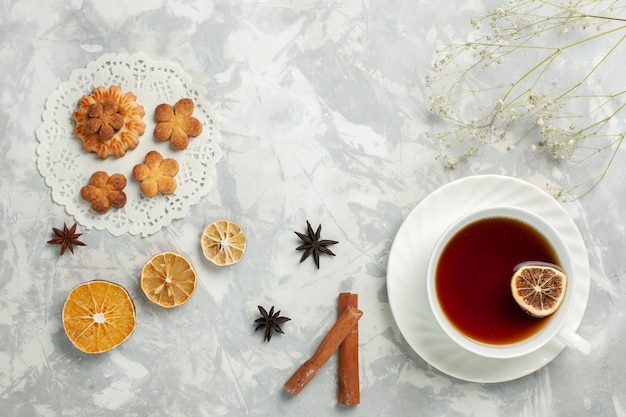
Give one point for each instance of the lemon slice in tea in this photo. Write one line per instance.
(539, 289)
(98, 316)
(168, 279)
(223, 242)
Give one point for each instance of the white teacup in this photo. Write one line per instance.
(555, 325)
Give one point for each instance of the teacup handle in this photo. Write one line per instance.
(573, 340)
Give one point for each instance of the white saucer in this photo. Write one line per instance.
(408, 261)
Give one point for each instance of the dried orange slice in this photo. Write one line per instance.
(98, 316)
(223, 242)
(539, 289)
(168, 279)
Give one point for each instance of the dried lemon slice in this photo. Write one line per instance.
(168, 279)
(539, 289)
(98, 316)
(223, 242)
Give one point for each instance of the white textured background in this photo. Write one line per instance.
(323, 114)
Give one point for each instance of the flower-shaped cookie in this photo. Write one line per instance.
(108, 122)
(176, 123)
(104, 191)
(104, 119)
(156, 174)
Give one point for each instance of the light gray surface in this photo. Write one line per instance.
(323, 114)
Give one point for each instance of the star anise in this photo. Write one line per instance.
(270, 322)
(313, 244)
(67, 238)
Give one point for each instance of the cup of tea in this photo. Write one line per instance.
(469, 282)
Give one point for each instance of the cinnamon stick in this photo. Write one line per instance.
(348, 318)
(348, 387)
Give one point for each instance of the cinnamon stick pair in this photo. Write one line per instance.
(343, 336)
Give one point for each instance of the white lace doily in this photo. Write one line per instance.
(66, 167)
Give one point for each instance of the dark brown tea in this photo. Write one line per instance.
(473, 277)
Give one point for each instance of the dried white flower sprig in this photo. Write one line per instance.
(548, 72)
